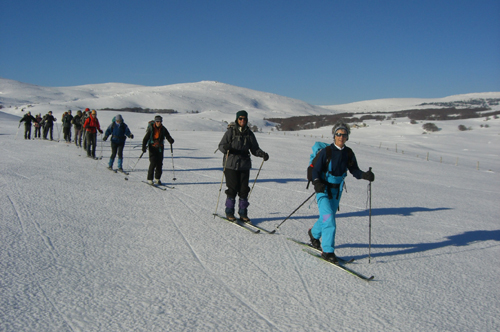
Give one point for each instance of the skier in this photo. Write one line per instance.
(328, 184)
(119, 132)
(48, 121)
(77, 122)
(27, 119)
(38, 126)
(156, 133)
(67, 126)
(85, 116)
(91, 127)
(238, 141)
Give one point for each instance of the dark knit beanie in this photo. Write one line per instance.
(241, 113)
(158, 118)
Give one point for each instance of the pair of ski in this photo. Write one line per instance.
(248, 226)
(117, 170)
(341, 261)
(159, 186)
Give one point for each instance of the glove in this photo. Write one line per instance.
(131, 136)
(144, 149)
(227, 147)
(265, 156)
(171, 141)
(319, 186)
(368, 176)
(105, 138)
(100, 131)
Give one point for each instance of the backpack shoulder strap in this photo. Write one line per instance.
(329, 152)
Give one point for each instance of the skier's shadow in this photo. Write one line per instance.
(459, 240)
(402, 211)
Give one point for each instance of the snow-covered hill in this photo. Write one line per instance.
(218, 100)
(214, 103)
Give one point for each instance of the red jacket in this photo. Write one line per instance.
(92, 125)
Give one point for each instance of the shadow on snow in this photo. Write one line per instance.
(459, 240)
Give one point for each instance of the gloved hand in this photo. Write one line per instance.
(319, 186)
(100, 131)
(131, 136)
(171, 141)
(265, 156)
(144, 149)
(227, 146)
(105, 138)
(368, 176)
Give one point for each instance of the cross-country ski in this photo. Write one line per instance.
(339, 265)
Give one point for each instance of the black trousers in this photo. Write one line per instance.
(27, 131)
(155, 163)
(237, 183)
(91, 143)
(117, 148)
(46, 130)
(67, 134)
(38, 132)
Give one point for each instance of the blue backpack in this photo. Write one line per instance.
(316, 148)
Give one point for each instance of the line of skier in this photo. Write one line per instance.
(328, 165)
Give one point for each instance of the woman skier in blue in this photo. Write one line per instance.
(328, 181)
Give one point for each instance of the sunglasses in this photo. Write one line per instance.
(340, 135)
(242, 118)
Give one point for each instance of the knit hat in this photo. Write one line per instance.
(118, 118)
(341, 125)
(241, 113)
(158, 118)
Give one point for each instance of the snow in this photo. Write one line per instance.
(84, 250)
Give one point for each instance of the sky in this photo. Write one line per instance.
(322, 52)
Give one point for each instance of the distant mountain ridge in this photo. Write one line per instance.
(219, 100)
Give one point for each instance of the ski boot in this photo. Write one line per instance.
(316, 244)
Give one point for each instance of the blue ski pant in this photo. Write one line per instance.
(325, 227)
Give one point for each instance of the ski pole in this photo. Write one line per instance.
(137, 162)
(17, 132)
(100, 157)
(222, 180)
(369, 219)
(172, 154)
(255, 179)
(293, 212)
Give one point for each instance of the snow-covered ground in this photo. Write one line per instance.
(84, 250)
(81, 249)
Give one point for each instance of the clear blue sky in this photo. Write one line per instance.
(322, 52)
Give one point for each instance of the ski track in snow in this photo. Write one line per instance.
(50, 247)
(232, 292)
